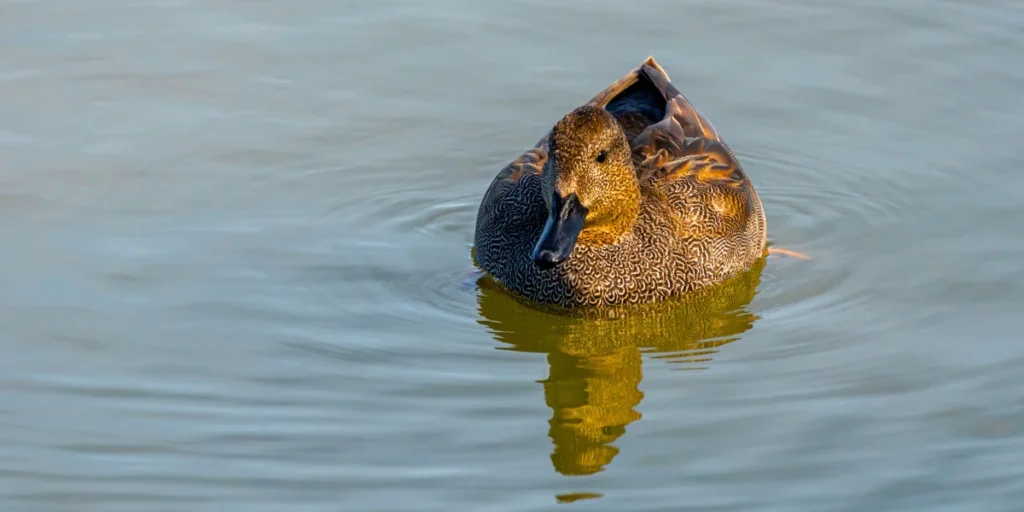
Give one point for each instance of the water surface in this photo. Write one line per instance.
(236, 261)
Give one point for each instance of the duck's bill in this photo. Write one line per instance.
(560, 232)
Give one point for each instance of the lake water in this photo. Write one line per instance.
(236, 268)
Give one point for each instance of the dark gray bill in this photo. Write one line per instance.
(560, 232)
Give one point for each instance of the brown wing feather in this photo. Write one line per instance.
(678, 107)
(531, 162)
(684, 142)
(684, 157)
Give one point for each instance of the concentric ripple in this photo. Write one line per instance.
(388, 262)
(843, 217)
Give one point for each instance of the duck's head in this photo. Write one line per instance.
(589, 184)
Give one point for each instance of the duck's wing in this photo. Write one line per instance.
(512, 206)
(699, 177)
(677, 108)
(530, 162)
(683, 141)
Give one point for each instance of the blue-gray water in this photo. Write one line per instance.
(236, 261)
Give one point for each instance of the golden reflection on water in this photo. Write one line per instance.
(593, 385)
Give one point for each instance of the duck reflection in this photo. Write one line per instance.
(593, 386)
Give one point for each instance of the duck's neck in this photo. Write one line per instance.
(614, 216)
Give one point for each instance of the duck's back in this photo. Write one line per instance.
(700, 219)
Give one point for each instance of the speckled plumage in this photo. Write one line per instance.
(671, 211)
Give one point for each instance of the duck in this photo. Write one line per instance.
(631, 198)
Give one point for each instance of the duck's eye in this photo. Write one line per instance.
(601, 157)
